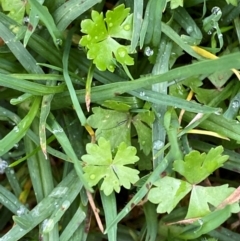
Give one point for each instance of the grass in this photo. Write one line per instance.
(181, 95)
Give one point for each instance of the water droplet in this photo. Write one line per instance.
(200, 221)
(58, 192)
(142, 93)
(111, 67)
(189, 29)
(26, 20)
(57, 130)
(235, 104)
(89, 37)
(110, 25)
(148, 51)
(92, 176)
(36, 16)
(16, 129)
(58, 41)
(21, 211)
(216, 10)
(143, 143)
(122, 52)
(220, 35)
(65, 205)
(3, 166)
(127, 27)
(96, 37)
(209, 32)
(157, 145)
(47, 225)
(16, 145)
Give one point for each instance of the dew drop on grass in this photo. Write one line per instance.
(216, 10)
(16, 129)
(59, 192)
(21, 211)
(235, 104)
(209, 32)
(47, 225)
(157, 145)
(25, 20)
(148, 51)
(65, 205)
(58, 41)
(3, 166)
(189, 29)
(142, 93)
(57, 130)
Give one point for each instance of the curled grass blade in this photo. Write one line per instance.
(20, 129)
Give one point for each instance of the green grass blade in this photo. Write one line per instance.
(110, 210)
(71, 89)
(68, 189)
(17, 48)
(47, 19)
(28, 86)
(10, 201)
(137, 23)
(70, 10)
(45, 110)
(20, 129)
(60, 135)
(161, 65)
(151, 221)
(109, 91)
(73, 225)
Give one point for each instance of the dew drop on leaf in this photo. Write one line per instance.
(111, 67)
(142, 93)
(157, 145)
(121, 52)
(110, 25)
(126, 27)
(92, 176)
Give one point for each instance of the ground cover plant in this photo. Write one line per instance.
(119, 120)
